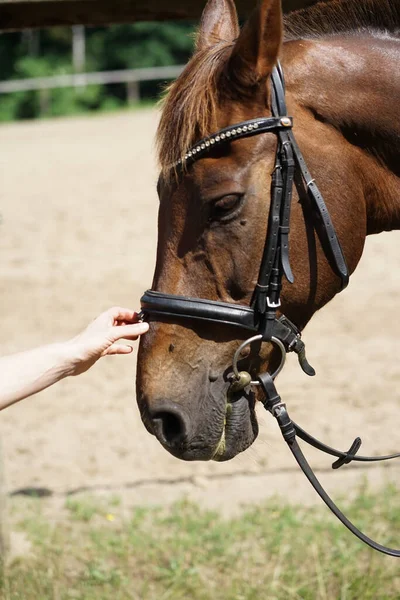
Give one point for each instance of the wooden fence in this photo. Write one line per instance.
(131, 77)
(83, 79)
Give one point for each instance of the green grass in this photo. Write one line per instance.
(95, 550)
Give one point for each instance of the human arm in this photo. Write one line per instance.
(26, 373)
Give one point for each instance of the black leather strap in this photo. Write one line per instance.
(288, 166)
(262, 290)
(319, 204)
(274, 405)
(158, 305)
(278, 96)
(179, 307)
(279, 109)
(275, 261)
(244, 129)
(344, 457)
(309, 473)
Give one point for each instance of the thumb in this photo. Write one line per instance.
(118, 349)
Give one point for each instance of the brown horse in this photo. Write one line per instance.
(342, 88)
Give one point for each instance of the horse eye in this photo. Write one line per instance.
(226, 207)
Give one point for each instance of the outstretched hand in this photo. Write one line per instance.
(27, 373)
(100, 337)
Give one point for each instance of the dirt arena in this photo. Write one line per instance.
(77, 235)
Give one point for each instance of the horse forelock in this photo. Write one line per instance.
(189, 108)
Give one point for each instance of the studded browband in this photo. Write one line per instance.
(236, 132)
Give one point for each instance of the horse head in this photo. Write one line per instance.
(213, 220)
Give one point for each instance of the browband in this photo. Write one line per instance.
(244, 129)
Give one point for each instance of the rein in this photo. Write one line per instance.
(260, 318)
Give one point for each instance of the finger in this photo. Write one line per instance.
(118, 349)
(123, 314)
(129, 331)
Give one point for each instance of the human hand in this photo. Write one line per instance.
(100, 337)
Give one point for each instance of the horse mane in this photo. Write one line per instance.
(341, 16)
(189, 106)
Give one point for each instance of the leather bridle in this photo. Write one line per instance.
(260, 319)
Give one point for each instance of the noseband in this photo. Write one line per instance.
(260, 319)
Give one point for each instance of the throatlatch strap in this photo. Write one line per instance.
(274, 405)
(279, 109)
(319, 204)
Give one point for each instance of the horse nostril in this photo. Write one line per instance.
(169, 427)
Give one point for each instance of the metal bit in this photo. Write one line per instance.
(239, 384)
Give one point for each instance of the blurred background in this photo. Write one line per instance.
(38, 66)
(95, 507)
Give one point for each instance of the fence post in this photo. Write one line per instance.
(78, 48)
(44, 102)
(133, 91)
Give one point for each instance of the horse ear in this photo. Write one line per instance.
(257, 49)
(219, 21)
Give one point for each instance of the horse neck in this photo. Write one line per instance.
(350, 83)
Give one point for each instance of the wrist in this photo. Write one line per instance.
(68, 357)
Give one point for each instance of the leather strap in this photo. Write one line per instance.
(176, 308)
(288, 166)
(244, 129)
(275, 406)
(180, 307)
(278, 97)
(275, 261)
(309, 473)
(279, 109)
(271, 243)
(320, 206)
(344, 457)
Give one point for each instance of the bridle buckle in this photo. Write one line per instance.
(272, 304)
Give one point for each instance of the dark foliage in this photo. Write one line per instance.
(49, 52)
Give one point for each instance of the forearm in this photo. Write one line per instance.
(27, 373)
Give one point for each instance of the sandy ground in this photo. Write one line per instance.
(77, 235)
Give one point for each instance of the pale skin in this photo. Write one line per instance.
(27, 373)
